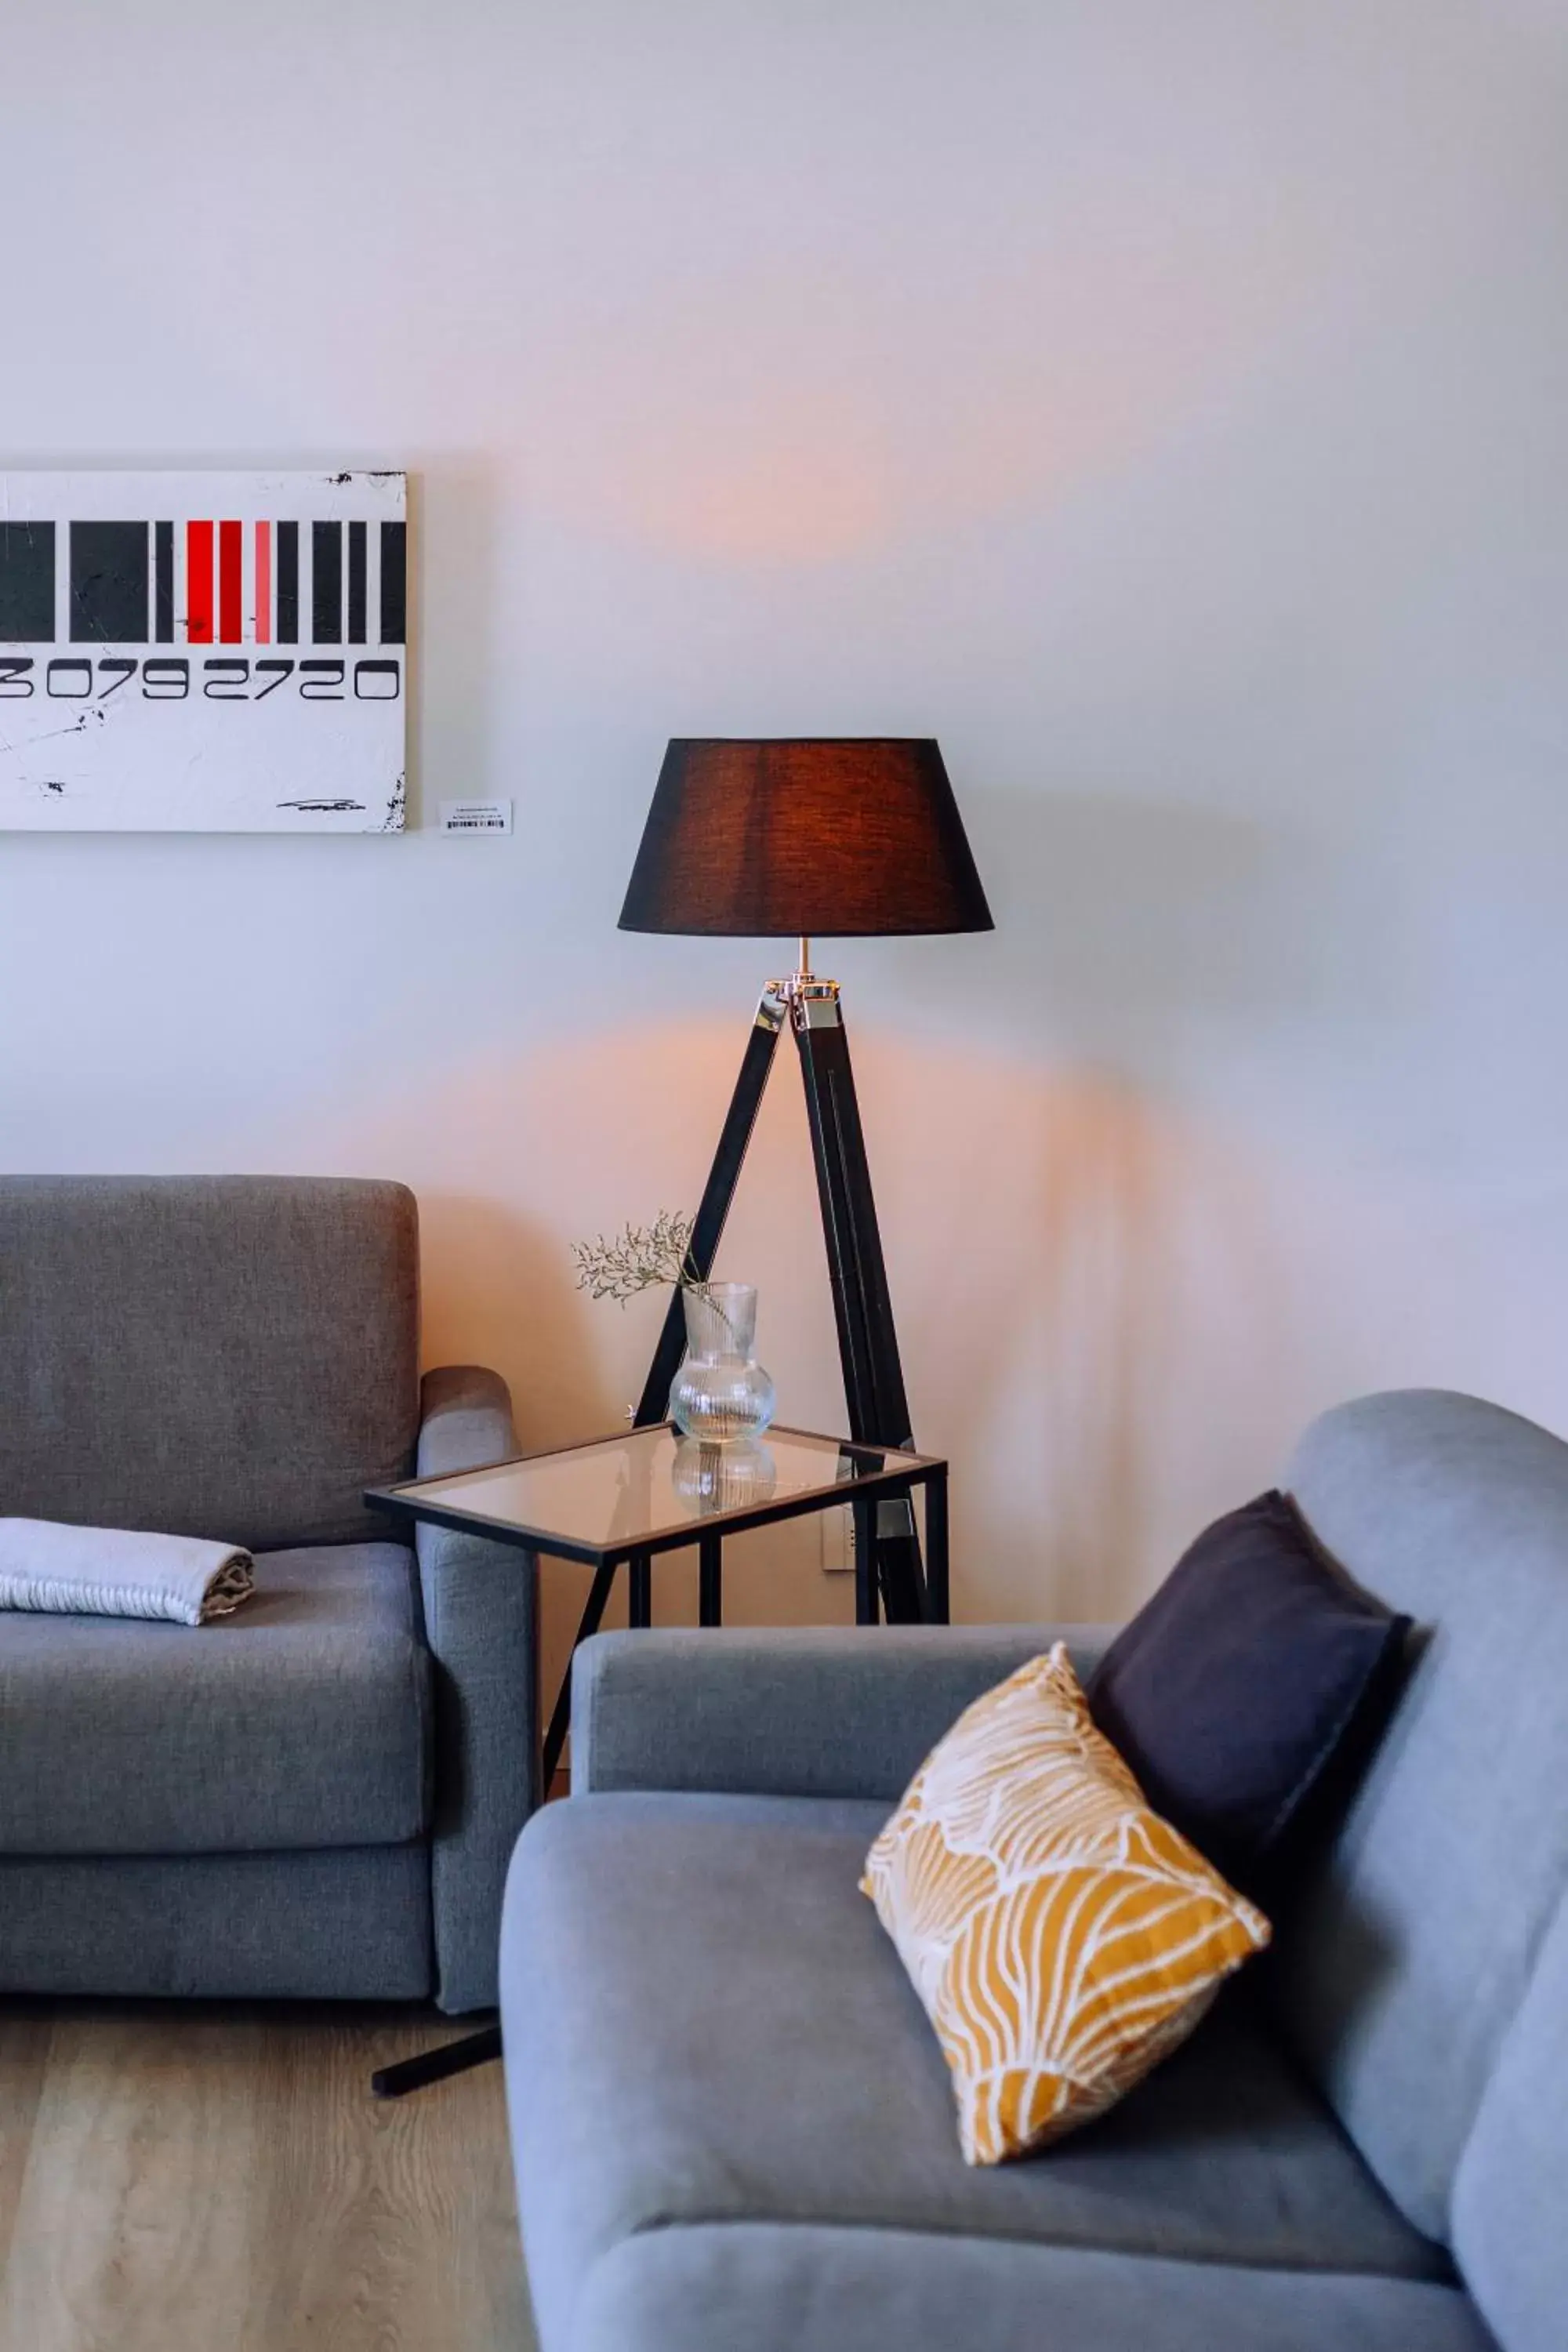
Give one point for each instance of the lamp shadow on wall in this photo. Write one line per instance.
(1108, 1317)
(1095, 1310)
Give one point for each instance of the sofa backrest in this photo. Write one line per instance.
(227, 1356)
(1405, 1964)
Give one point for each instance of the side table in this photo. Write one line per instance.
(620, 1502)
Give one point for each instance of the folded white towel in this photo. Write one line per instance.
(120, 1572)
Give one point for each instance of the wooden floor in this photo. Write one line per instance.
(197, 2180)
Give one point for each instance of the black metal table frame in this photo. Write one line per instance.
(862, 1494)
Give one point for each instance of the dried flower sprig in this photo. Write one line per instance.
(638, 1258)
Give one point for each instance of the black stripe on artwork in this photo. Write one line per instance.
(26, 583)
(164, 584)
(356, 584)
(285, 584)
(393, 582)
(109, 584)
(327, 583)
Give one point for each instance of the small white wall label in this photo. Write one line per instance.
(474, 816)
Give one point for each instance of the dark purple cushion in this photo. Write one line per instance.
(1248, 1692)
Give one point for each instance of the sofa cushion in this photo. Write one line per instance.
(705, 2022)
(224, 1356)
(1063, 1938)
(772, 2288)
(1508, 2198)
(302, 1720)
(1414, 1937)
(1238, 1686)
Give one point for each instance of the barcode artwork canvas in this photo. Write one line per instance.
(203, 652)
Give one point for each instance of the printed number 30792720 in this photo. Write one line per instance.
(73, 677)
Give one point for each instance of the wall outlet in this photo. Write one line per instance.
(837, 1541)
(893, 1518)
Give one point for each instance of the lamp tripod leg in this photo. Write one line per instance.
(718, 1194)
(867, 1339)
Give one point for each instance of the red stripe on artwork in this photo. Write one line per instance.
(230, 561)
(264, 583)
(199, 582)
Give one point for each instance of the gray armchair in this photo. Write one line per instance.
(316, 1797)
(731, 2121)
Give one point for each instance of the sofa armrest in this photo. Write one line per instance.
(811, 1711)
(480, 1621)
(465, 1421)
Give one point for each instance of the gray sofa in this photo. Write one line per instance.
(317, 1796)
(730, 2120)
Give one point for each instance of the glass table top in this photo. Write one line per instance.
(652, 1485)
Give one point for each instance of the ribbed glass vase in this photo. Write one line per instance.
(721, 1390)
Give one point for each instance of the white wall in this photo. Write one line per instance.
(1164, 401)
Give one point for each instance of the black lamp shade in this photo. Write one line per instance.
(822, 836)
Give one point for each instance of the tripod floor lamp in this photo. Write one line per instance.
(810, 838)
(795, 838)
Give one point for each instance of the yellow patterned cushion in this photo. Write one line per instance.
(1062, 1936)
